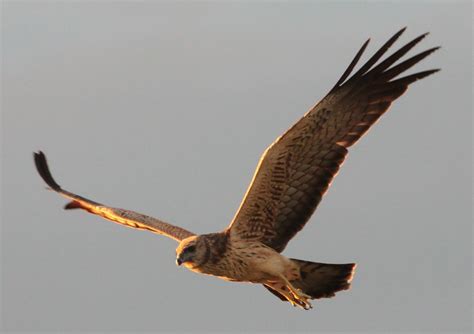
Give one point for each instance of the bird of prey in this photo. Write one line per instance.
(291, 177)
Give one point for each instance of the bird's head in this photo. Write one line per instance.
(192, 252)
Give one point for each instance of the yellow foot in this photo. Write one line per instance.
(301, 299)
(295, 296)
(303, 303)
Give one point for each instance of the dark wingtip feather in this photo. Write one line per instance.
(424, 74)
(351, 66)
(397, 55)
(43, 170)
(401, 31)
(409, 79)
(400, 68)
(380, 52)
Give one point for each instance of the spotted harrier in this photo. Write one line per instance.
(291, 177)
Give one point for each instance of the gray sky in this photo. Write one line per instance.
(165, 108)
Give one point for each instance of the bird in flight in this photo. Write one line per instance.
(290, 180)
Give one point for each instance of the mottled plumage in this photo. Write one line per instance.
(290, 180)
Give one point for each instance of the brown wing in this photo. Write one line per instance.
(296, 170)
(120, 216)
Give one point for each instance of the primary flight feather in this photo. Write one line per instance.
(291, 178)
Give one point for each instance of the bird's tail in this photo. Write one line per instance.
(322, 280)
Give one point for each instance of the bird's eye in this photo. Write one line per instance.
(190, 249)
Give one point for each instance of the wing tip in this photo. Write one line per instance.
(351, 66)
(397, 34)
(43, 170)
(424, 74)
(377, 55)
(422, 36)
(401, 31)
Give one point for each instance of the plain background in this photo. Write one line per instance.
(165, 108)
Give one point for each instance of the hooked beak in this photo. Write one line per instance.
(183, 258)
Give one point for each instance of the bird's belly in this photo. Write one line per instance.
(248, 264)
(233, 272)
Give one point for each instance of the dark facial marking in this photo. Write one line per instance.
(189, 249)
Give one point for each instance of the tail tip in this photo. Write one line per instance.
(352, 272)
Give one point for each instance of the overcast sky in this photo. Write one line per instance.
(165, 107)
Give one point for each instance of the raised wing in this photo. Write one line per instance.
(296, 170)
(120, 216)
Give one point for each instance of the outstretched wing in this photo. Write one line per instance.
(120, 216)
(296, 170)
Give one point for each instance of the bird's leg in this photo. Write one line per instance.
(281, 288)
(299, 296)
